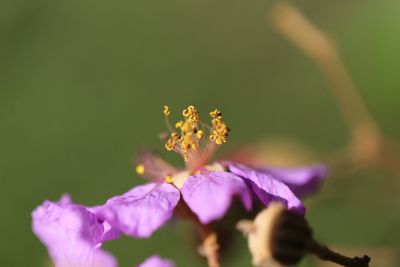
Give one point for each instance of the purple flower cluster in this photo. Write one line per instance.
(73, 233)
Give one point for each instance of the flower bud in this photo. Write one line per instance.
(276, 237)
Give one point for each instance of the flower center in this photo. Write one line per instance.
(178, 179)
(187, 137)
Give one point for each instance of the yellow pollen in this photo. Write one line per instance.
(190, 132)
(216, 121)
(199, 134)
(140, 169)
(166, 111)
(170, 144)
(168, 179)
(186, 112)
(215, 113)
(186, 127)
(178, 124)
(175, 136)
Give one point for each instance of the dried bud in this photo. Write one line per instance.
(276, 237)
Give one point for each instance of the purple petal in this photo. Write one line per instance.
(157, 261)
(142, 210)
(303, 180)
(110, 233)
(71, 234)
(267, 188)
(210, 193)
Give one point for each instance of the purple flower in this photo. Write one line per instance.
(72, 234)
(207, 190)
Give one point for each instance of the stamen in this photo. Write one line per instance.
(152, 166)
(188, 141)
(166, 111)
(199, 134)
(170, 144)
(168, 179)
(215, 114)
(179, 124)
(140, 169)
(219, 133)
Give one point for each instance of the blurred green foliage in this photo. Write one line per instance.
(82, 85)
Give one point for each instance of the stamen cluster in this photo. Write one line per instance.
(220, 131)
(190, 131)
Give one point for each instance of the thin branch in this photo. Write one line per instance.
(368, 147)
(324, 253)
(306, 36)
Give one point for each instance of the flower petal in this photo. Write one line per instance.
(110, 233)
(142, 210)
(209, 194)
(267, 188)
(71, 234)
(303, 180)
(157, 261)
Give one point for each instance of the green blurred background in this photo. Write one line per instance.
(83, 82)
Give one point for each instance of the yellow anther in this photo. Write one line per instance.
(166, 111)
(168, 179)
(222, 129)
(193, 118)
(219, 141)
(216, 121)
(187, 137)
(219, 137)
(179, 124)
(186, 128)
(215, 113)
(199, 134)
(175, 136)
(170, 144)
(185, 112)
(213, 137)
(191, 113)
(185, 145)
(140, 169)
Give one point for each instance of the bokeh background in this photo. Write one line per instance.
(82, 85)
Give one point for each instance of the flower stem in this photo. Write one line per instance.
(324, 253)
(209, 247)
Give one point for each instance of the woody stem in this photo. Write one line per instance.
(324, 253)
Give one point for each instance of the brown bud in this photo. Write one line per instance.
(278, 237)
